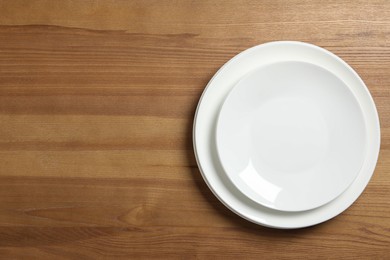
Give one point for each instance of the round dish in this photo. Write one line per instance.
(205, 128)
(291, 136)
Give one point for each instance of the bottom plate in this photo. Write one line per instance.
(205, 129)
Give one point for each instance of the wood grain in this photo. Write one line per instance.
(96, 106)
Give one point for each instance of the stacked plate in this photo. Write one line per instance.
(286, 135)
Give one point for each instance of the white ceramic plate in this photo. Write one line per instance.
(291, 136)
(206, 120)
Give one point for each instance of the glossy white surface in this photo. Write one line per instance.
(291, 136)
(205, 128)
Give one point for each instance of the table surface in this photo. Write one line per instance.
(97, 100)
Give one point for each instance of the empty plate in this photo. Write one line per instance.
(291, 136)
(319, 110)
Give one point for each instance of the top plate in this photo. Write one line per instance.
(205, 128)
(291, 136)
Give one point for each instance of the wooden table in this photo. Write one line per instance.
(97, 100)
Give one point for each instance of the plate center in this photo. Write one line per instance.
(289, 135)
